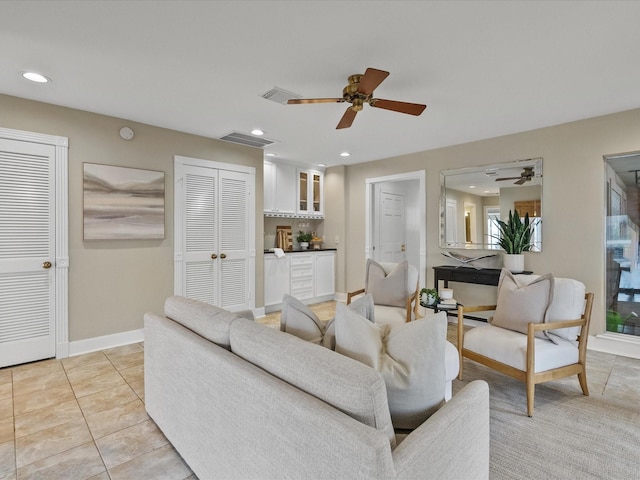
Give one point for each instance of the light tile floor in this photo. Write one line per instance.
(84, 417)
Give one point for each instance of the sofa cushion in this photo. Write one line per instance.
(206, 320)
(349, 386)
(387, 288)
(510, 347)
(410, 357)
(519, 304)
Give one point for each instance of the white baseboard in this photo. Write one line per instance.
(94, 344)
(616, 344)
(259, 312)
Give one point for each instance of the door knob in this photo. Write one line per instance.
(213, 256)
(46, 265)
(223, 255)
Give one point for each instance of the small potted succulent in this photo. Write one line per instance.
(303, 239)
(428, 297)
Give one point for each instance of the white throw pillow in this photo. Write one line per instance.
(299, 320)
(520, 304)
(410, 357)
(387, 288)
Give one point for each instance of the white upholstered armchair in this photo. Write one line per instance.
(394, 288)
(532, 351)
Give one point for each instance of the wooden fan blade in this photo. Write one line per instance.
(521, 181)
(507, 178)
(299, 101)
(402, 107)
(347, 119)
(370, 80)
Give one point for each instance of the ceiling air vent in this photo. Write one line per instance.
(248, 140)
(280, 95)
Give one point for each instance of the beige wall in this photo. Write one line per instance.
(113, 283)
(335, 217)
(573, 198)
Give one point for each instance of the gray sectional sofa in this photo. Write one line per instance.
(240, 400)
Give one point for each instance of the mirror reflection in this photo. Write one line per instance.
(473, 198)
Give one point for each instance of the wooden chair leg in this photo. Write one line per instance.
(531, 388)
(582, 378)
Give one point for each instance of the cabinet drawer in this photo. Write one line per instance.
(302, 283)
(302, 294)
(301, 260)
(302, 271)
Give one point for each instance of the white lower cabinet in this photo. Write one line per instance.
(324, 274)
(276, 278)
(307, 276)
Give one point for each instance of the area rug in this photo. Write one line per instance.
(570, 436)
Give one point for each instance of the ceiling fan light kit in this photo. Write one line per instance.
(359, 91)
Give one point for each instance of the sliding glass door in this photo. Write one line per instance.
(622, 242)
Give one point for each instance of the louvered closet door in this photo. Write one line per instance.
(234, 204)
(200, 251)
(212, 234)
(27, 252)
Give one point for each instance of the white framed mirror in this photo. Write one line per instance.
(473, 198)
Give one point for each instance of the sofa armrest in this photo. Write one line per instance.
(461, 425)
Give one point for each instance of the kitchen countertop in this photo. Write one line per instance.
(305, 251)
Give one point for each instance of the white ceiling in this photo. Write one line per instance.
(483, 68)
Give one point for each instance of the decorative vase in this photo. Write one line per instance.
(304, 245)
(514, 262)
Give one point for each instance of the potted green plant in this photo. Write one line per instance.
(303, 239)
(428, 297)
(515, 238)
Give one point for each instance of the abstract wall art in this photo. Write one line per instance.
(122, 203)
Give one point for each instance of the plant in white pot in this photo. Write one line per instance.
(515, 238)
(303, 239)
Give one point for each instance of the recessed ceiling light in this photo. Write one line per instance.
(345, 154)
(472, 186)
(257, 131)
(270, 155)
(322, 164)
(35, 77)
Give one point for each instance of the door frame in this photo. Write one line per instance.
(61, 186)
(420, 176)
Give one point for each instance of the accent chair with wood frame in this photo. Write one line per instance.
(549, 350)
(394, 288)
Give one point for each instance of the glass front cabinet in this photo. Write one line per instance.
(310, 192)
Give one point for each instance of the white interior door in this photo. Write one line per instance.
(234, 229)
(391, 226)
(27, 252)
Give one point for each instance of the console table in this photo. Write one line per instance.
(482, 276)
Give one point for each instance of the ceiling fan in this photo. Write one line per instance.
(526, 176)
(360, 91)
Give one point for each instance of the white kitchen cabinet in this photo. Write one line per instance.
(310, 187)
(279, 189)
(307, 276)
(302, 275)
(324, 274)
(276, 278)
